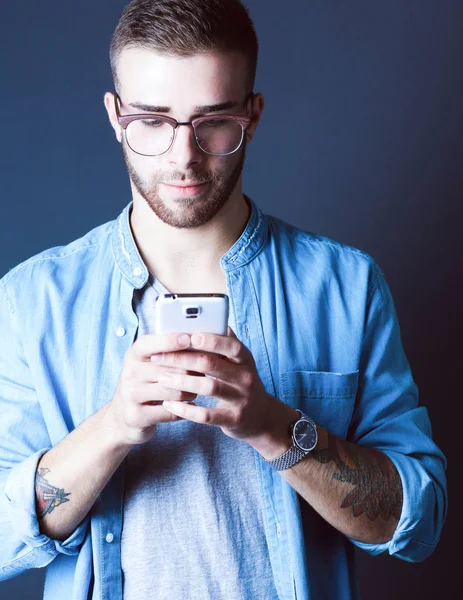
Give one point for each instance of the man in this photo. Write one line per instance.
(126, 470)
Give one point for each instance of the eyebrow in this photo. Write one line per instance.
(200, 110)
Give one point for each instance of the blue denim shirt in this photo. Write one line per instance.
(320, 321)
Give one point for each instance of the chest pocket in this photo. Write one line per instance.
(327, 398)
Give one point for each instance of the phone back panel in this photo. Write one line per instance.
(191, 313)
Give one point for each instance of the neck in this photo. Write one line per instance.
(190, 254)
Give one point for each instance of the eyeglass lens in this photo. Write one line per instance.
(152, 137)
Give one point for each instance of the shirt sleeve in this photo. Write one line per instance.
(23, 440)
(387, 417)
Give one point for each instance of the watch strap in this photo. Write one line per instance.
(294, 454)
(288, 459)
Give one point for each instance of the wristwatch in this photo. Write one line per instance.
(304, 437)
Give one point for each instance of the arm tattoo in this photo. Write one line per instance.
(378, 487)
(48, 496)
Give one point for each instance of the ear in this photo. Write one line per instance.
(109, 100)
(257, 108)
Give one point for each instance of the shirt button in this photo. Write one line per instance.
(137, 271)
(110, 537)
(120, 332)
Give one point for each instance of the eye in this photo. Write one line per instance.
(214, 123)
(153, 122)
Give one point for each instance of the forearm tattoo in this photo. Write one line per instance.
(378, 488)
(48, 497)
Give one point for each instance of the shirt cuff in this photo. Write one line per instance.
(20, 495)
(412, 540)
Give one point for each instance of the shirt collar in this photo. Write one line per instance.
(246, 247)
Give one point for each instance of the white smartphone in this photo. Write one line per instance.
(191, 313)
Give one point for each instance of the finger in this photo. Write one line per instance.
(154, 414)
(203, 386)
(157, 393)
(228, 346)
(150, 373)
(204, 363)
(200, 414)
(147, 345)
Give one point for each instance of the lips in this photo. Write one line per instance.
(186, 189)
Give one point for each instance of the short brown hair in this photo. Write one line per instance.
(186, 28)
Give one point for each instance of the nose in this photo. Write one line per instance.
(185, 152)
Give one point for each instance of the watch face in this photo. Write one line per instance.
(305, 435)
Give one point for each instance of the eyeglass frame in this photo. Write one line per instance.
(125, 120)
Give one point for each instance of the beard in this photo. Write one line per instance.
(196, 211)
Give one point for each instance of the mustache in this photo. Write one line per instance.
(193, 178)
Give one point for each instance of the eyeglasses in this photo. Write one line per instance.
(151, 134)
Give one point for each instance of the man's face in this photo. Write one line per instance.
(181, 85)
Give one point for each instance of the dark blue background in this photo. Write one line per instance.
(360, 141)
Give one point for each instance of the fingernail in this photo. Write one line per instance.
(197, 339)
(184, 339)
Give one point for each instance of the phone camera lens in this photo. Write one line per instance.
(192, 311)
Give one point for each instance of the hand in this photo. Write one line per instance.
(136, 407)
(244, 409)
